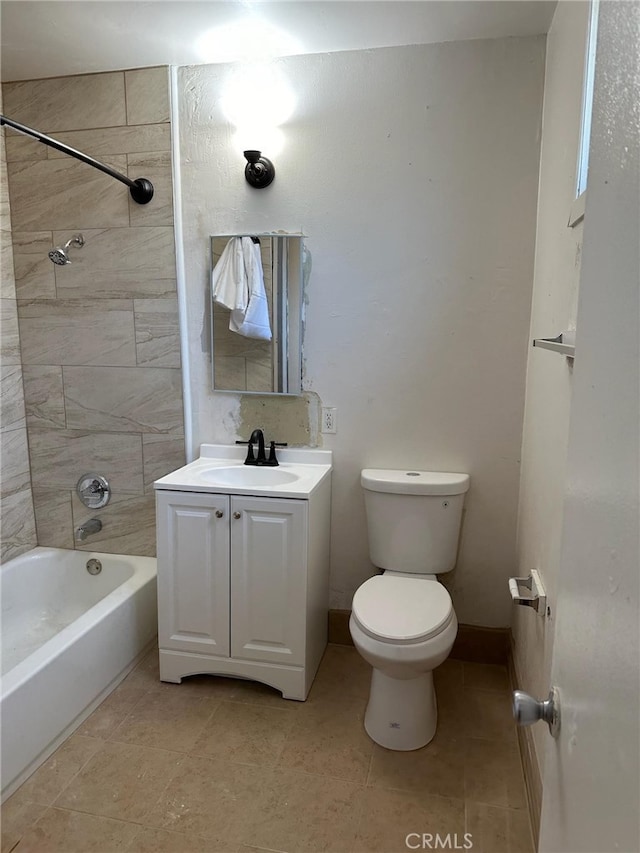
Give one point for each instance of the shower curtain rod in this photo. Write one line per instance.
(141, 189)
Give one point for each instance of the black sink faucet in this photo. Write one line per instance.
(257, 437)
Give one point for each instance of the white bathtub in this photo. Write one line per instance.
(68, 638)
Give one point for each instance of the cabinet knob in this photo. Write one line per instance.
(237, 515)
(219, 513)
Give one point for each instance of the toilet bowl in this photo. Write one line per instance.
(402, 621)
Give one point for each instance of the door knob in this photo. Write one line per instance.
(237, 515)
(219, 513)
(527, 710)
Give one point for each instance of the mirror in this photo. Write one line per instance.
(256, 316)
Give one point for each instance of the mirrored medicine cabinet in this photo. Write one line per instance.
(251, 365)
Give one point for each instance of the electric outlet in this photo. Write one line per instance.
(329, 419)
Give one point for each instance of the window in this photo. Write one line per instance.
(577, 209)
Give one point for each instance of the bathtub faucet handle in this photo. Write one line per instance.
(94, 525)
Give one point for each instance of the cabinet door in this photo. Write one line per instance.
(268, 579)
(193, 572)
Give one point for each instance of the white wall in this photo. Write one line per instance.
(549, 375)
(414, 173)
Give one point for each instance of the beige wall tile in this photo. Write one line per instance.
(43, 396)
(14, 462)
(124, 399)
(9, 335)
(11, 398)
(32, 242)
(157, 169)
(7, 283)
(230, 373)
(18, 524)
(157, 332)
(20, 147)
(115, 140)
(76, 331)
(147, 95)
(60, 457)
(35, 276)
(54, 519)
(161, 454)
(66, 194)
(259, 375)
(68, 103)
(128, 525)
(5, 217)
(120, 262)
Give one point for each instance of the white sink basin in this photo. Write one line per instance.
(220, 469)
(248, 475)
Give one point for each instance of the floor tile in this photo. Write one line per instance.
(149, 840)
(213, 798)
(217, 765)
(307, 813)
(110, 713)
(58, 770)
(18, 816)
(389, 817)
(249, 734)
(166, 721)
(62, 831)
(498, 830)
(493, 773)
(330, 740)
(483, 676)
(437, 768)
(121, 781)
(342, 672)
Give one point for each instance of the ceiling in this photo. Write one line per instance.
(50, 38)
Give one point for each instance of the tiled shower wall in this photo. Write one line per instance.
(99, 337)
(18, 530)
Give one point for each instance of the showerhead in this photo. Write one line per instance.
(60, 255)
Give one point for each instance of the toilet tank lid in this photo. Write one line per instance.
(413, 482)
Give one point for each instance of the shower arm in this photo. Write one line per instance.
(141, 189)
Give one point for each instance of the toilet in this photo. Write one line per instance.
(402, 621)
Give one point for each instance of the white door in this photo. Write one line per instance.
(193, 572)
(591, 791)
(268, 580)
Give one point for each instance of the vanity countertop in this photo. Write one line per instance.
(220, 469)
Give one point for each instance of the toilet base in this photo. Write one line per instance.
(401, 713)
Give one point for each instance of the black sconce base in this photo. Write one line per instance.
(259, 171)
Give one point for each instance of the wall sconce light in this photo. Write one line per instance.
(259, 171)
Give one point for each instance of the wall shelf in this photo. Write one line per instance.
(564, 343)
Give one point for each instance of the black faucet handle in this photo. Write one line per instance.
(251, 459)
(272, 460)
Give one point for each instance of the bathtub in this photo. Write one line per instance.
(68, 638)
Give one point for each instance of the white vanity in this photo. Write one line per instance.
(243, 567)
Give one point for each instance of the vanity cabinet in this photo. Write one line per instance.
(243, 586)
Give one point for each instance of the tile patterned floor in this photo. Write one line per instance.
(216, 764)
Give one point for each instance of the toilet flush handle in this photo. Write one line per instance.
(527, 710)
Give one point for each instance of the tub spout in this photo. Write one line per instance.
(94, 525)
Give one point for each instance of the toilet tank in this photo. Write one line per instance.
(413, 518)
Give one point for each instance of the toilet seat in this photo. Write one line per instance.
(402, 610)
